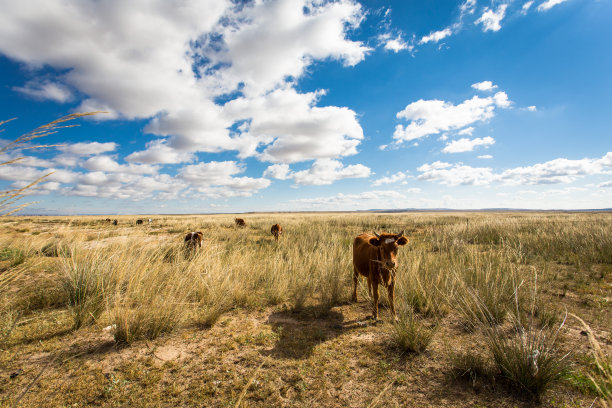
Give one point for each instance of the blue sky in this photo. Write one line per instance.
(286, 105)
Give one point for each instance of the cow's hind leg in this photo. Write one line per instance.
(355, 281)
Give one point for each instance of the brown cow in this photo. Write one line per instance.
(193, 240)
(240, 222)
(139, 222)
(108, 220)
(276, 230)
(375, 257)
(115, 222)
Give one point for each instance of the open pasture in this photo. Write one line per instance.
(96, 314)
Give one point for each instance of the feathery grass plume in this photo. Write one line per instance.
(529, 358)
(600, 376)
(9, 198)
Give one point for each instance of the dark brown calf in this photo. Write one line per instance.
(240, 222)
(115, 222)
(139, 222)
(276, 230)
(375, 257)
(193, 240)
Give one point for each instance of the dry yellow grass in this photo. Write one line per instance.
(101, 315)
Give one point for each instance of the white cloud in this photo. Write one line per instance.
(490, 19)
(468, 7)
(605, 184)
(467, 145)
(362, 201)
(436, 36)
(467, 131)
(216, 179)
(107, 164)
(278, 171)
(456, 174)
(87, 149)
(526, 6)
(293, 129)
(532, 108)
(434, 116)
(485, 156)
(170, 62)
(395, 44)
(326, 171)
(46, 90)
(395, 178)
(548, 4)
(484, 86)
(551, 172)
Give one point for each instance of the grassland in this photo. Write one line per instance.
(93, 314)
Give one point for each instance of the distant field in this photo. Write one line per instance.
(489, 306)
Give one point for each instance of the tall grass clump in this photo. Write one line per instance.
(411, 333)
(529, 357)
(151, 297)
(484, 287)
(85, 276)
(599, 377)
(423, 281)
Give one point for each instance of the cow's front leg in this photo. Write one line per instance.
(390, 291)
(376, 296)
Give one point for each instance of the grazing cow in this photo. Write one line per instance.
(150, 220)
(139, 222)
(375, 257)
(115, 222)
(276, 230)
(240, 222)
(108, 220)
(193, 240)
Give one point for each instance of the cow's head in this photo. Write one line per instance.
(388, 245)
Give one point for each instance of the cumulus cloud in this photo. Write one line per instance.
(293, 129)
(361, 201)
(467, 145)
(485, 156)
(107, 164)
(395, 178)
(88, 149)
(176, 63)
(217, 180)
(278, 171)
(548, 4)
(484, 86)
(467, 131)
(552, 172)
(490, 19)
(326, 171)
(46, 90)
(430, 117)
(605, 184)
(436, 36)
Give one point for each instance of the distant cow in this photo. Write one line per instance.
(108, 220)
(375, 257)
(150, 220)
(139, 222)
(115, 222)
(240, 222)
(276, 230)
(193, 240)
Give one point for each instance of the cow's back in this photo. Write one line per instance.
(363, 252)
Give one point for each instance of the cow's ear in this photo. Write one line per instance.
(402, 240)
(375, 241)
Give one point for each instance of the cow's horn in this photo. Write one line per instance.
(400, 234)
(375, 233)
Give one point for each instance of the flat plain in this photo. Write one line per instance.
(495, 309)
